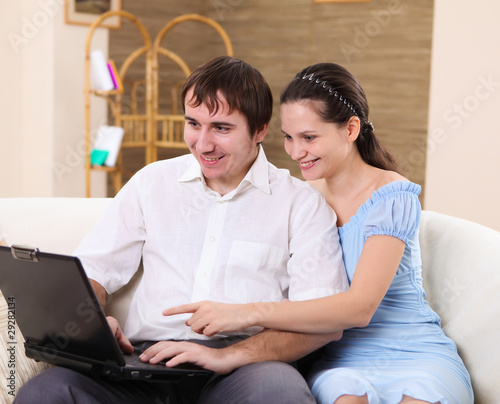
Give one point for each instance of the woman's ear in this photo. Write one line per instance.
(353, 127)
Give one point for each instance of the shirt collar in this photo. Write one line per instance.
(193, 172)
(258, 175)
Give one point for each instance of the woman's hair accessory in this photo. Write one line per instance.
(333, 92)
(371, 126)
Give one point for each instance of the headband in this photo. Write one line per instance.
(326, 86)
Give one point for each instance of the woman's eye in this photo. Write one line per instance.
(309, 138)
(288, 137)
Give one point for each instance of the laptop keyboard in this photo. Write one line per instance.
(134, 360)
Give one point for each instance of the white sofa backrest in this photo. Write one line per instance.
(54, 225)
(461, 271)
(58, 225)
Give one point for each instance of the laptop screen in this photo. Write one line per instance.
(55, 305)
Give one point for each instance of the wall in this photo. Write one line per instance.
(463, 164)
(41, 151)
(10, 105)
(385, 43)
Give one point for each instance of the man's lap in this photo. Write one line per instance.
(274, 382)
(262, 382)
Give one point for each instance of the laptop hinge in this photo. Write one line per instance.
(31, 342)
(25, 253)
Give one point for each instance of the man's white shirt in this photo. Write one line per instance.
(271, 238)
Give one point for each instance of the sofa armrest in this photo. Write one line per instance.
(461, 271)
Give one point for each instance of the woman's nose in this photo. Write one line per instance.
(296, 151)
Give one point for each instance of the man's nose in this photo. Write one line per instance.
(205, 142)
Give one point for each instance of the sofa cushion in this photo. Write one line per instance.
(12, 353)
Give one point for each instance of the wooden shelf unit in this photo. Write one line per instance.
(149, 130)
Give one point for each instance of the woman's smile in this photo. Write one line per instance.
(306, 165)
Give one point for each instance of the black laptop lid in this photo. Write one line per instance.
(56, 307)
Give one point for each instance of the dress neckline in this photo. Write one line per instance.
(377, 195)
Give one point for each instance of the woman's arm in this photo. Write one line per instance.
(374, 273)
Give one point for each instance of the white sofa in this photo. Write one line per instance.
(461, 267)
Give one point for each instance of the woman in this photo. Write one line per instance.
(393, 349)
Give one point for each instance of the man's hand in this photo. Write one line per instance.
(123, 341)
(218, 360)
(269, 345)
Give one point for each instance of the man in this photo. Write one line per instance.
(219, 224)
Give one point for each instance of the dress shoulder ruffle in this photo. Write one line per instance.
(393, 209)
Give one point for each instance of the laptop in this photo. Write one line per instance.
(63, 323)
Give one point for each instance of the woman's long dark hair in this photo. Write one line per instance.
(340, 96)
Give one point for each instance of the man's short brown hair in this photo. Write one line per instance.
(243, 87)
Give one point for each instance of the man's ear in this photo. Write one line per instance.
(261, 133)
(353, 127)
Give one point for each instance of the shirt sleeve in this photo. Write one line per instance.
(111, 252)
(397, 215)
(316, 267)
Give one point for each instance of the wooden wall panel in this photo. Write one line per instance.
(385, 43)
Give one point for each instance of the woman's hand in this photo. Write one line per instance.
(210, 318)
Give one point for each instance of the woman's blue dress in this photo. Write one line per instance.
(403, 350)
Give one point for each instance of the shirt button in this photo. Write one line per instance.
(212, 238)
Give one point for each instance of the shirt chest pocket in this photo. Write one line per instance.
(255, 272)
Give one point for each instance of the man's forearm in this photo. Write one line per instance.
(274, 345)
(100, 293)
